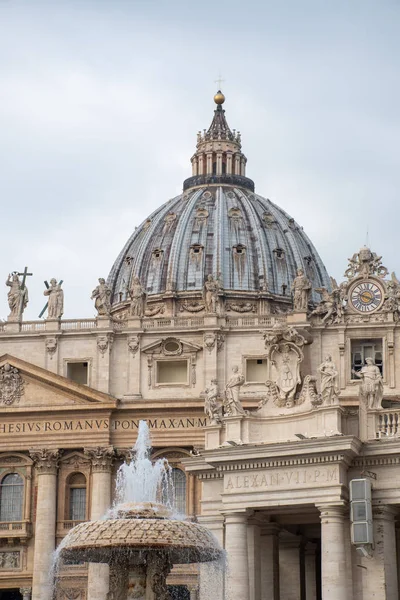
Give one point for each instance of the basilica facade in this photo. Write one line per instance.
(272, 389)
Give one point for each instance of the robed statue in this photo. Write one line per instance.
(329, 381)
(55, 301)
(301, 287)
(17, 296)
(210, 293)
(232, 404)
(137, 294)
(102, 298)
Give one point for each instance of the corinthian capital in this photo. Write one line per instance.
(46, 461)
(102, 458)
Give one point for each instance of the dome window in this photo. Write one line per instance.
(239, 249)
(196, 252)
(235, 213)
(268, 219)
(158, 254)
(279, 253)
(128, 260)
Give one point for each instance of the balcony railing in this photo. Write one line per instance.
(15, 529)
(387, 423)
(63, 527)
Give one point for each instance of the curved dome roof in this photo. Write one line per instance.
(218, 226)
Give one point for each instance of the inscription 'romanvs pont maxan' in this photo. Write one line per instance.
(281, 478)
(76, 425)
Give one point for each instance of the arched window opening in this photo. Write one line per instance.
(179, 482)
(11, 498)
(77, 497)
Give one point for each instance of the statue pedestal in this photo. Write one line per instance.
(233, 430)
(211, 320)
(134, 322)
(213, 436)
(296, 318)
(103, 322)
(13, 326)
(52, 324)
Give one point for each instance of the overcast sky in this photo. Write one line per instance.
(100, 102)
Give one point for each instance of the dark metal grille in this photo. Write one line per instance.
(11, 498)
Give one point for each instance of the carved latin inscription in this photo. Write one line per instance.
(282, 479)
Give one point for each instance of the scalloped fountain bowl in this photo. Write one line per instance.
(138, 530)
(139, 538)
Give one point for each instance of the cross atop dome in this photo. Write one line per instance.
(218, 158)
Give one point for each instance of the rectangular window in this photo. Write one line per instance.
(172, 371)
(256, 370)
(363, 349)
(78, 372)
(77, 504)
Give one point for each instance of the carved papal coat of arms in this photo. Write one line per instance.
(11, 384)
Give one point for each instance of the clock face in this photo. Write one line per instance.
(366, 297)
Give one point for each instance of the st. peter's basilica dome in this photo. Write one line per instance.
(218, 226)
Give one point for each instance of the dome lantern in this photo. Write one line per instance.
(219, 157)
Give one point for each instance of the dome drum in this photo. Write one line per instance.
(206, 180)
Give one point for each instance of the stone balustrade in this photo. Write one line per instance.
(387, 423)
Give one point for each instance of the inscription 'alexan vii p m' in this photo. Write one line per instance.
(280, 478)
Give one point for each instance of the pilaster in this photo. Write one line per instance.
(289, 566)
(26, 593)
(379, 578)
(270, 561)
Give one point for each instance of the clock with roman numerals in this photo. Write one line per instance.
(366, 296)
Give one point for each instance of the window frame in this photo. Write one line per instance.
(170, 359)
(68, 487)
(255, 357)
(360, 338)
(68, 361)
(3, 476)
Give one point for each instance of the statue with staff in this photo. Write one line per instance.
(18, 294)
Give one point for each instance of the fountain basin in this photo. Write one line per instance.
(137, 530)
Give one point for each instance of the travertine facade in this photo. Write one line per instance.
(270, 384)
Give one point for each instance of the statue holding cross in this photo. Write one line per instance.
(18, 294)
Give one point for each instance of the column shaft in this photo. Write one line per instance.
(333, 553)
(45, 524)
(99, 574)
(237, 579)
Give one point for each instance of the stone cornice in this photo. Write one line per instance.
(46, 461)
(326, 449)
(102, 458)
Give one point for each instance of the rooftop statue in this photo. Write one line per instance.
(301, 288)
(371, 386)
(331, 305)
(213, 408)
(56, 300)
(365, 263)
(137, 294)
(102, 298)
(232, 404)
(211, 289)
(329, 381)
(17, 296)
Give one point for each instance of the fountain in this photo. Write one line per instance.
(140, 538)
